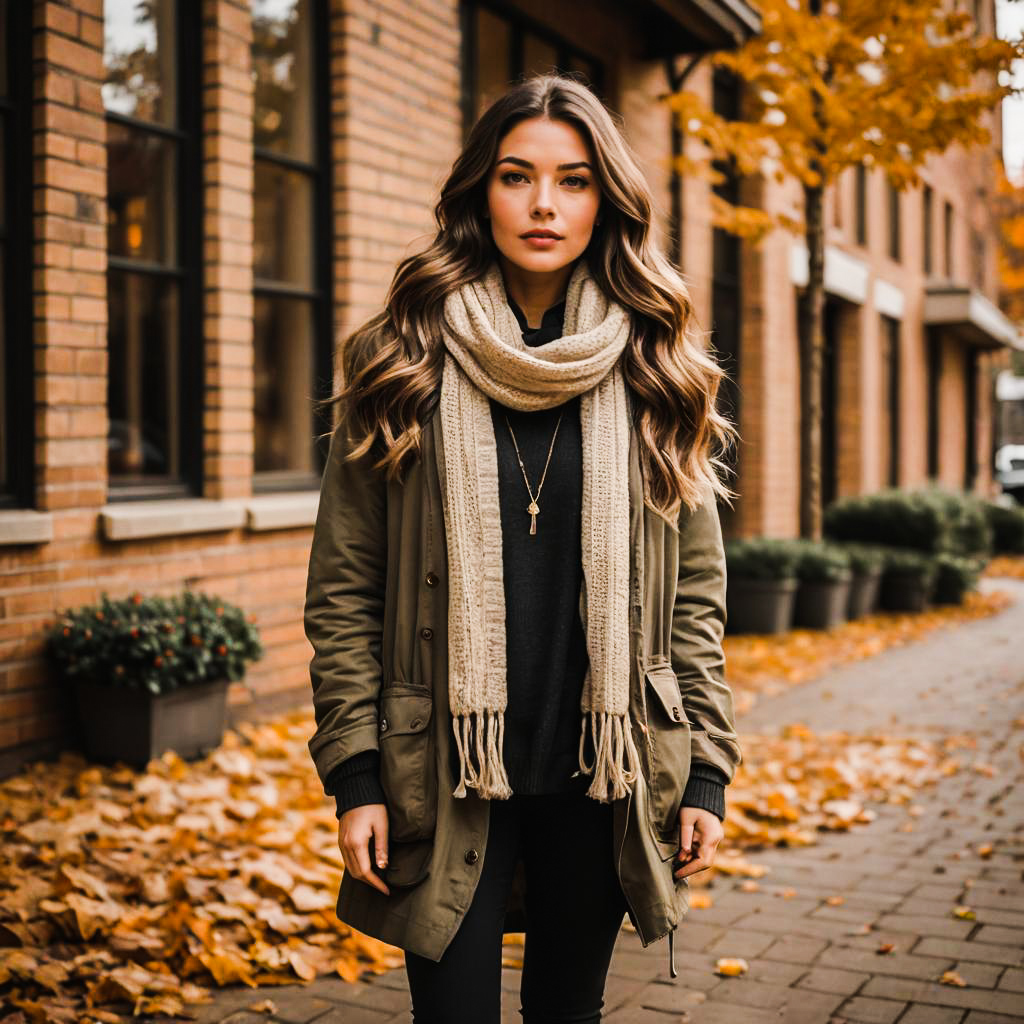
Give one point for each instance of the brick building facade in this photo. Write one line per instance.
(199, 196)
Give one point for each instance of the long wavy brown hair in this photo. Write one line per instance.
(392, 364)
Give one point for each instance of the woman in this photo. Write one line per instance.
(516, 585)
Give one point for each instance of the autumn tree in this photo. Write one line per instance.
(1009, 209)
(828, 86)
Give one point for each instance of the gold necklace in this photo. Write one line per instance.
(533, 508)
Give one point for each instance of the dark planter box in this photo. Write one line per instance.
(904, 593)
(821, 604)
(863, 594)
(134, 726)
(760, 606)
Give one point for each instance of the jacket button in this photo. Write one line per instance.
(431, 579)
(415, 723)
(677, 715)
(426, 632)
(472, 856)
(384, 725)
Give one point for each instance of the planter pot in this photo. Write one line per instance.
(135, 726)
(902, 592)
(821, 604)
(760, 606)
(863, 594)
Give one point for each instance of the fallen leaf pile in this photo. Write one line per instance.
(1006, 565)
(126, 892)
(763, 665)
(792, 786)
(131, 890)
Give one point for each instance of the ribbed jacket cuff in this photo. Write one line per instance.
(706, 789)
(356, 782)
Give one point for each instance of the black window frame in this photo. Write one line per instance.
(861, 203)
(727, 274)
(892, 329)
(927, 228)
(189, 204)
(895, 232)
(321, 295)
(519, 25)
(948, 234)
(16, 234)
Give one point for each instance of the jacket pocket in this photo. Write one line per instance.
(669, 732)
(408, 774)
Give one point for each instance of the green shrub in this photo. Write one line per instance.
(891, 517)
(864, 558)
(930, 519)
(761, 558)
(153, 643)
(967, 531)
(821, 562)
(955, 576)
(1007, 524)
(907, 562)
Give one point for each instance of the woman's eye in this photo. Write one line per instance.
(511, 174)
(581, 182)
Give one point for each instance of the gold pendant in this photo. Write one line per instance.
(533, 508)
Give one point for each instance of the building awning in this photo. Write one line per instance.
(696, 26)
(970, 316)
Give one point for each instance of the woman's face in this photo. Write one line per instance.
(542, 181)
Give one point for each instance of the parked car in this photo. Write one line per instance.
(1010, 469)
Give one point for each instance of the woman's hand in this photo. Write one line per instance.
(355, 830)
(700, 832)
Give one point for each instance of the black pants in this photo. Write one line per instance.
(574, 908)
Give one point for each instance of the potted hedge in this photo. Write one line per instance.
(824, 573)
(867, 564)
(954, 577)
(151, 674)
(908, 580)
(1006, 519)
(762, 585)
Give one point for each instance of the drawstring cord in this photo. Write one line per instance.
(672, 954)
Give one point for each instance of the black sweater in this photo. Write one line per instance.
(546, 646)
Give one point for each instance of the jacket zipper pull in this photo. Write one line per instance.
(672, 954)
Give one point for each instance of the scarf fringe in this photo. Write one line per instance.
(486, 732)
(613, 745)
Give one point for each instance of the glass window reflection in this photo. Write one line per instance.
(142, 395)
(282, 71)
(138, 53)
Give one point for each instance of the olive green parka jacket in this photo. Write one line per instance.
(376, 616)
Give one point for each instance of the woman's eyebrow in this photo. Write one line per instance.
(560, 167)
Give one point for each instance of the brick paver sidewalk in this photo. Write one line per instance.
(812, 962)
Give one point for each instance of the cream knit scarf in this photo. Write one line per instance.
(487, 357)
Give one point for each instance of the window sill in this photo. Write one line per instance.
(282, 511)
(25, 526)
(171, 517)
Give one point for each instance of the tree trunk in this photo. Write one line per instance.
(809, 326)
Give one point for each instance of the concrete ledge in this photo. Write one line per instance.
(282, 511)
(25, 526)
(138, 519)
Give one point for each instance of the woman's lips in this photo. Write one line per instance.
(541, 241)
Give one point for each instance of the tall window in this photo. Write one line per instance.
(503, 46)
(891, 367)
(895, 240)
(726, 294)
(947, 239)
(927, 211)
(16, 456)
(292, 258)
(155, 376)
(979, 252)
(861, 200)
